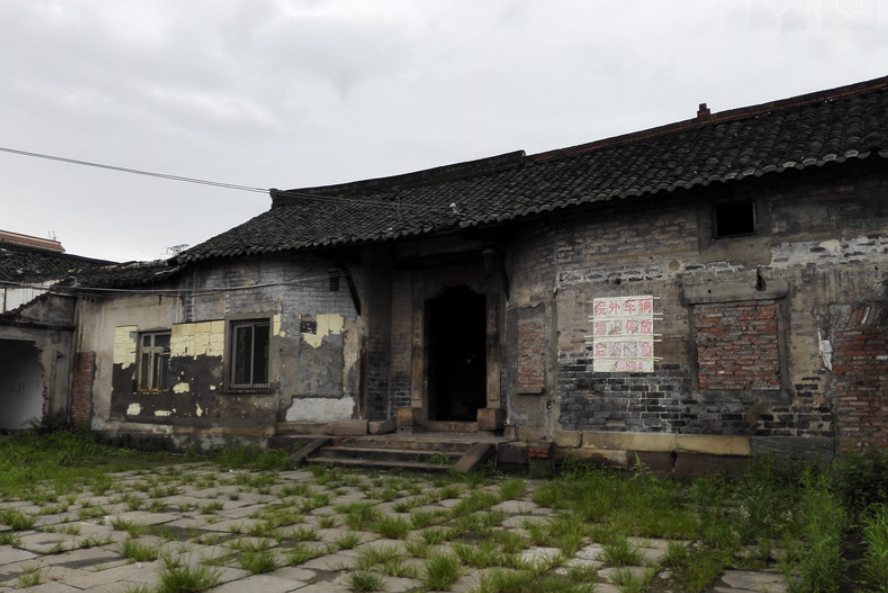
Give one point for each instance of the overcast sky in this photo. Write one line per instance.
(297, 93)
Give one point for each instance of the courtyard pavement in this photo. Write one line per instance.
(203, 517)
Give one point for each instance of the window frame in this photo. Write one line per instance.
(156, 383)
(235, 355)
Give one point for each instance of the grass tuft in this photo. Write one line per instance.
(179, 577)
(362, 580)
(136, 551)
(441, 572)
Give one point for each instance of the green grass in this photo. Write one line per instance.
(8, 538)
(178, 577)
(301, 552)
(348, 541)
(136, 551)
(60, 459)
(392, 527)
(440, 572)
(17, 520)
(816, 564)
(524, 581)
(238, 456)
(362, 580)
(132, 528)
(258, 561)
(30, 577)
(621, 552)
(388, 560)
(875, 560)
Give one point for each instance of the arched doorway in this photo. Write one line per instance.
(457, 361)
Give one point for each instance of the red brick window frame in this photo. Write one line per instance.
(738, 345)
(531, 355)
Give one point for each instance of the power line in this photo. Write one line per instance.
(169, 177)
(134, 171)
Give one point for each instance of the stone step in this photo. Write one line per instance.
(379, 464)
(391, 454)
(426, 452)
(440, 444)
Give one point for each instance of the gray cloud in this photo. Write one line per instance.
(288, 93)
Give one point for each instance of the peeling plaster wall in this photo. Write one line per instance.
(312, 374)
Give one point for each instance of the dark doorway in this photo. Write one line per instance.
(457, 338)
(21, 385)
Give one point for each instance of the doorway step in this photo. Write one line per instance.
(435, 452)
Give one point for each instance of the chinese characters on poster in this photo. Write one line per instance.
(623, 334)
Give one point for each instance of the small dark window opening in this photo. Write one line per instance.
(307, 325)
(733, 219)
(334, 280)
(249, 354)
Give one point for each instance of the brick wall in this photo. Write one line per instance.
(623, 402)
(531, 355)
(725, 367)
(860, 367)
(737, 345)
(82, 388)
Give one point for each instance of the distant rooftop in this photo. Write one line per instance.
(28, 240)
(24, 259)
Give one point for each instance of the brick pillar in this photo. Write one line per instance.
(81, 388)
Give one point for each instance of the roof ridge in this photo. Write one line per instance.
(434, 175)
(704, 117)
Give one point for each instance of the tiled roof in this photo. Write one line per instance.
(811, 130)
(121, 276)
(25, 264)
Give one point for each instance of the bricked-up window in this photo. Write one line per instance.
(860, 365)
(738, 345)
(531, 356)
(733, 219)
(249, 353)
(154, 361)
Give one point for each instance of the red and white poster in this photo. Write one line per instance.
(623, 334)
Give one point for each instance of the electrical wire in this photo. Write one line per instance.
(56, 288)
(133, 171)
(169, 177)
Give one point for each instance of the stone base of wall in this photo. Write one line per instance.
(164, 437)
(664, 454)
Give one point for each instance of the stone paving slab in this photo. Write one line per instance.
(331, 562)
(260, 584)
(294, 573)
(516, 507)
(46, 542)
(52, 587)
(142, 573)
(540, 555)
(758, 582)
(10, 555)
(146, 517)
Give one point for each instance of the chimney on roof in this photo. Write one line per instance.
(703, 112)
